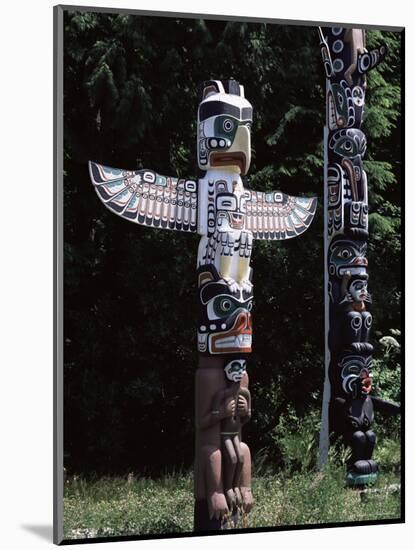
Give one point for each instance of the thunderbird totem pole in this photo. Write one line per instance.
(348, 408)
(228, 217)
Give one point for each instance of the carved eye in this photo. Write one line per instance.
(345, 254)
(249, 306)
(228, 125)
(347, 146)
(340, 100)
(223, 306)
(226, 304)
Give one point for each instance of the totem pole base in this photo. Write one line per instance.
(202, 522)
(360, 480)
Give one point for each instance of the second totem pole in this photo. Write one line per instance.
(348, 406)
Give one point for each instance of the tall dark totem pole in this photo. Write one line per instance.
(348, 408)
(229, 218)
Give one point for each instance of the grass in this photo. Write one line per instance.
(138, 506)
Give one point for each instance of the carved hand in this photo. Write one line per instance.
(242, 407)
(247, 498)
(217, 505)
(228, 408)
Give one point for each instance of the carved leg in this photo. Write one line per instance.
(239, 467)
(358, 446)
(230, 462)
(245, 479)
(353, 328)
(362, 445)
(366, 325)
(214, 488)
(245, 249)
(370, 444)
(225, 261)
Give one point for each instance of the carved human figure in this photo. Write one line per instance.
(232, 450)
(357, 319)
(224, 463)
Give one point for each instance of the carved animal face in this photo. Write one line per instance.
(225, 321)
(355, 375)
(348, 144)
(224, 127)
(345, 255)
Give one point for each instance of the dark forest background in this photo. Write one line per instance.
(130, 101)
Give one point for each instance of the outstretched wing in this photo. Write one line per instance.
(146, 198)
(275, 216)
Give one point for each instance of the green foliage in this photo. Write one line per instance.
(387, 369)
(388, 454)
(130, 100)
(298, 439)
(387, 384)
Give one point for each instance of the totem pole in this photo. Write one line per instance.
(348, 408)
(228, 217)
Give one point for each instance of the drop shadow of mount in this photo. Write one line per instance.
(43, 531)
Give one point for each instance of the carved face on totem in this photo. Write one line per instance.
(358, 291)
(348, 144)
(345, 255)
(355, 375)
(235, 370)
(225, 321)
(230, 205)
(224, 127)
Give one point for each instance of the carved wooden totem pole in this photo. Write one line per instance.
(348, 408)
(228, 217)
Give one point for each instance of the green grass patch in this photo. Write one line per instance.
(139, 506)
